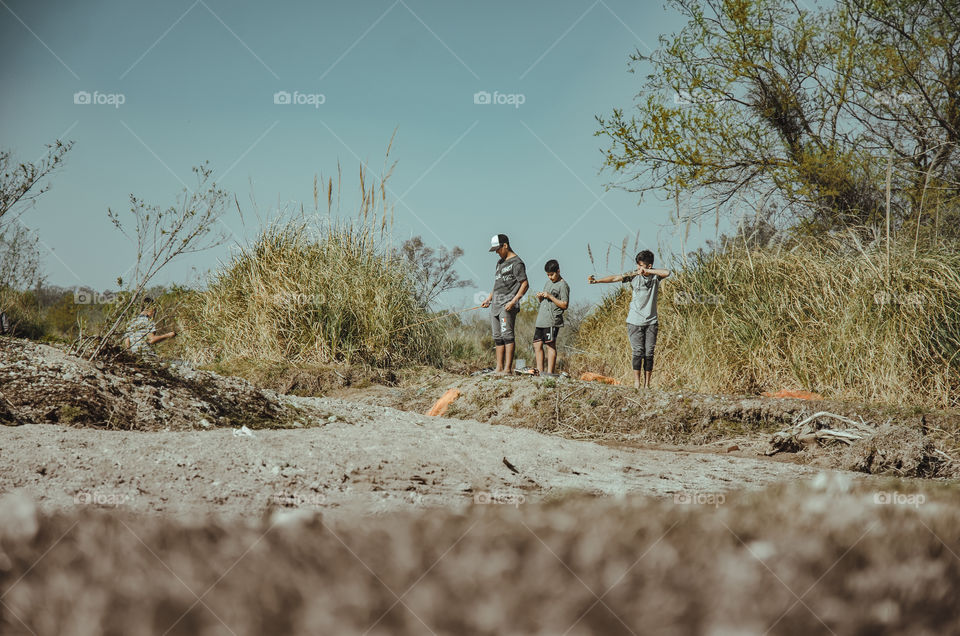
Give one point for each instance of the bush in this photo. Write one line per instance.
(823, 315)
(331, 295)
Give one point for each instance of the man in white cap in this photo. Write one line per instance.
(509, 286)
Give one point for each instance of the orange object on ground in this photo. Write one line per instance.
(799, 395)
(440, 406)
(596, 377)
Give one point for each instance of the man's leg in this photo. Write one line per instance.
(552, 357)
(508, 358)
(497, 341)
(507, 320)
(538, 354)
(636, 347)
(650, 343)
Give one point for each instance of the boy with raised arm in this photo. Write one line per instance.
(642, 322)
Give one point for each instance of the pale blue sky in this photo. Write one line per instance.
(198, 79)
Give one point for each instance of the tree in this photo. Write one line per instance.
(161, 235)
(433, 270)
(20, 186)
(777, 105)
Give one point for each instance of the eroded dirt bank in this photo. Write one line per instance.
(815, 559)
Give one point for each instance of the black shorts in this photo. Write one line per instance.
(546, 334)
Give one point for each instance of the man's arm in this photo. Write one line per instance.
(659, 273)
(524, 286)
(562, 304)
(154, 338)
(489, 299)
(616, 278)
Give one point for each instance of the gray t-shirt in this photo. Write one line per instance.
(549, 315)
(510, 274)
(643, 304)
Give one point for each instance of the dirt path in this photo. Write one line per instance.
(369, 460)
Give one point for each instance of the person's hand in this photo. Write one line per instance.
(541, 295)
(510, 305)
(485, 303)
(591, 279)
(642, 270)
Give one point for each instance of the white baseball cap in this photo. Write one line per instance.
(497, 240)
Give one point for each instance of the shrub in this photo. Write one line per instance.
(305, 294)
(824, 315)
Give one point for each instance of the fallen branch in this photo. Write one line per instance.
(806, 432)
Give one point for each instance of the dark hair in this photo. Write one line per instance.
(646, 256)
(551, 266)
(147, 302)
(504, 240)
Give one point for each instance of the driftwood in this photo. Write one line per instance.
(810, 431)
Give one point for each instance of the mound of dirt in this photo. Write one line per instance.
(40, 383)
(906, 442)
(829, 558)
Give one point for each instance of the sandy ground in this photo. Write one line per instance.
(369, 460)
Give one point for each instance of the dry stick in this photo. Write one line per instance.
(442, 316)
(889, 176)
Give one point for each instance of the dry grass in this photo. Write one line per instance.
(312, 295)
(824, 315)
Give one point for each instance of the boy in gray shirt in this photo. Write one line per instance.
(642, 321)
(509, 286)
(554, 300)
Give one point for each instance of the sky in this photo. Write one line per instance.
(492, 106)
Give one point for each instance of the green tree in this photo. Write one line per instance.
(769, 103)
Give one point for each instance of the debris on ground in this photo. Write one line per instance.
(587, 376)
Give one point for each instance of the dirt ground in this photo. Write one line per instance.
(136, 500)
(368, 460)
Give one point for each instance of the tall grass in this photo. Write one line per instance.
(313, 294)
(827, 315)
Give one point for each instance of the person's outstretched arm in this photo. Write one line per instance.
(649, 271)
(616, 278)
